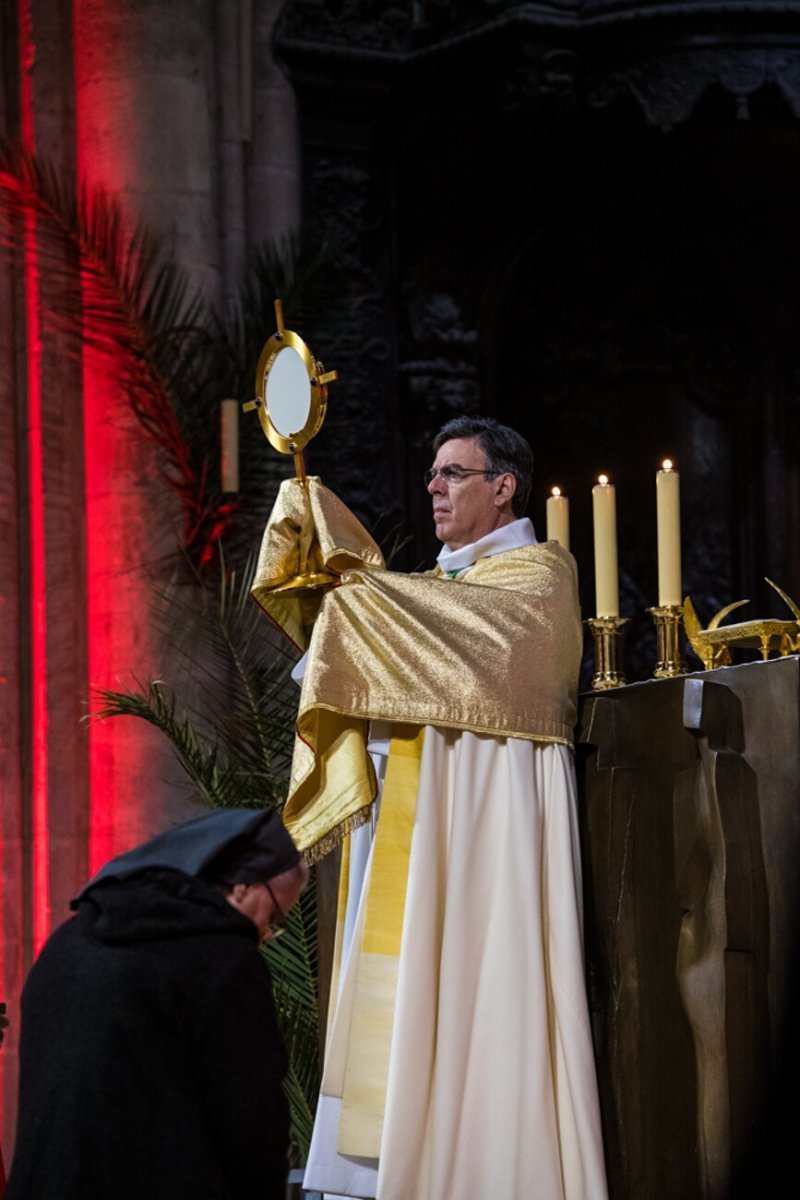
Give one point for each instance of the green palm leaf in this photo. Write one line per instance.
(293, 964)
(110, 288)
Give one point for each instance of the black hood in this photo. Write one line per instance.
(156, 905)
(192, 845)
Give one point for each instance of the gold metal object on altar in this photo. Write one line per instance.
(608, 637)
(713, 645)
(668, 618)
(291, 402)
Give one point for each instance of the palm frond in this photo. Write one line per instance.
(123, 290)
(293, 965)
(294, 959)
(111, 288)
(214, 781)
(234, 671)
(302, 1117)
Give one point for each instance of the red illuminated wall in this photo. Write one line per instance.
(128, 523)
(36, 518)
(88, 519)
(147, 101)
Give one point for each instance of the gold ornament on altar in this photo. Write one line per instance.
(713, 644)
(608, 634)
(292, 400)
(670, 662)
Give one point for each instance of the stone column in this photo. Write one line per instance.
(146, 99)
(12, 954)
(273, 161)
(145, 103)
(43, 764)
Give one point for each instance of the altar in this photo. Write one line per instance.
(691, 836)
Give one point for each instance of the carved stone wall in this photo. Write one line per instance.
(663, 56)
(348, 314)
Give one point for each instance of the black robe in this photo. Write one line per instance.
(151, 1064)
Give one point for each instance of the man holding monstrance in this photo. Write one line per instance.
(459, 1060)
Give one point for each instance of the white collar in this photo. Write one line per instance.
(507, 537)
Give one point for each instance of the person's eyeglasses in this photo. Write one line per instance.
(276, 929)
(452, 473)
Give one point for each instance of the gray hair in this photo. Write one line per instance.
(506, 451)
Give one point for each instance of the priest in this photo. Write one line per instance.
(459, 1060)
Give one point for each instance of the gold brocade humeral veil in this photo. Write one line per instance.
(308, 529)
(500, 658)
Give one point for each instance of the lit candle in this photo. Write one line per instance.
(229, 441)
(558, 518)
(668, 506)
(606, 583)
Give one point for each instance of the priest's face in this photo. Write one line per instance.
(467, 509)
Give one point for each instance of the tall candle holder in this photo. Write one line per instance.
(608, 637)
(668, 619)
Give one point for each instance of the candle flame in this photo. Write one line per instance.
(602, 480)
(667, 464)
(556, 491)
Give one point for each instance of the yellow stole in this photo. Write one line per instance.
(359, 1041)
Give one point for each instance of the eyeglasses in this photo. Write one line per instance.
(452, 473)
(276, 929)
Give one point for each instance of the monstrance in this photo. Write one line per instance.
(291, 401)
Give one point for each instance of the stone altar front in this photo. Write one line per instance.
(691, 830)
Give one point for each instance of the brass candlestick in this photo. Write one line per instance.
(668, 620)
(608, 637)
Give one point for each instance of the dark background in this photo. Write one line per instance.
(582, 220)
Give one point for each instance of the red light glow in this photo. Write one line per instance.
(38, 599)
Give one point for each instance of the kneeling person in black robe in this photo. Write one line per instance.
(151, 1064)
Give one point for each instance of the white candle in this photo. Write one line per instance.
(668, 506)
(229, 442)
(606, 581)
(558, 518)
